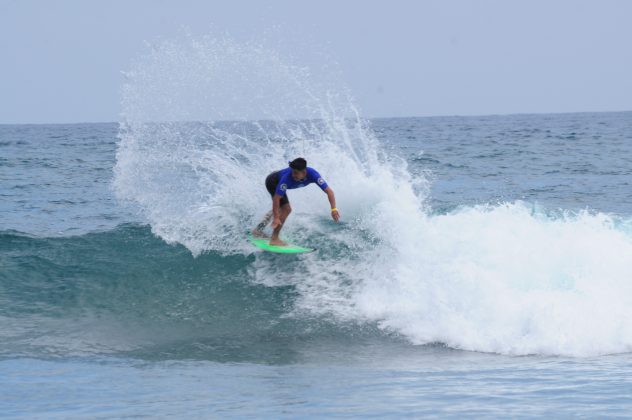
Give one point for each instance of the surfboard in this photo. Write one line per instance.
(264, 244)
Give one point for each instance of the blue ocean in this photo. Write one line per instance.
(482, 265)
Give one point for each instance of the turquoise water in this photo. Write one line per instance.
(101, 317)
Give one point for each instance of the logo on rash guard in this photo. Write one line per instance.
(321, 181)
(283, 187)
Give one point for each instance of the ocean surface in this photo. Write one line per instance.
(522, 306)
(482, 266)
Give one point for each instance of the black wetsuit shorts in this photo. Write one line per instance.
(272, 181)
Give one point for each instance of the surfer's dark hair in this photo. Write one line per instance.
(298, 164)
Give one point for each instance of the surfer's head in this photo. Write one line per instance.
(299, 168)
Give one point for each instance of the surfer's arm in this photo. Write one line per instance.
(332, 203)
(276, 212)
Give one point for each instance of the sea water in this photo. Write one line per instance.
(482, 266)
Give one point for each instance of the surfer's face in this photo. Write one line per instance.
(298, 175)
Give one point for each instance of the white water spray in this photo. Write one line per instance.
(504, 278)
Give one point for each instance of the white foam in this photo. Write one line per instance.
(506, 278)
(509, 280)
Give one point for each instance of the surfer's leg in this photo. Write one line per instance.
(258, 231)
(271, 182)
(286, 209)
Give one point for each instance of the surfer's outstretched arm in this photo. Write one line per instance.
(332, 202)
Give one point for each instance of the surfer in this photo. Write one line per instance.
(297, 175)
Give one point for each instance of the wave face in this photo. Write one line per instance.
(125, 292)
(508, 278)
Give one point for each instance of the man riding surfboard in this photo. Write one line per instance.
(297, 175)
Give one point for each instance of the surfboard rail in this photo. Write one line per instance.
(264, 244)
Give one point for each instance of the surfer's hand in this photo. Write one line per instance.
(276, 223)
(335, 215)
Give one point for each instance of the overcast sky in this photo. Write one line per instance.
(61, 61)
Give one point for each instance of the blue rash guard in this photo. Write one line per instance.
(286, 182)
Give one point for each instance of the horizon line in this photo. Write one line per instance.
(367, 118)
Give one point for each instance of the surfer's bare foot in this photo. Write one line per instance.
(277, 242)
(258, 234)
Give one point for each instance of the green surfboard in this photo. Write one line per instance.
(264, 243)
